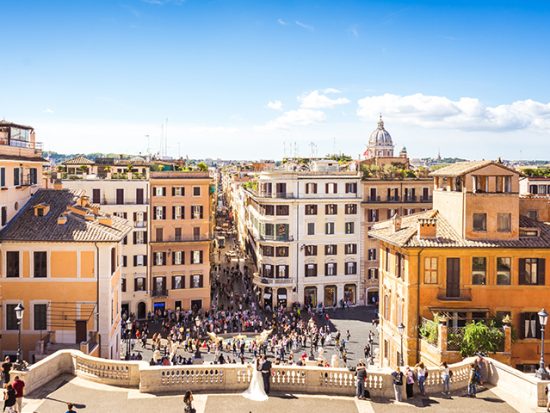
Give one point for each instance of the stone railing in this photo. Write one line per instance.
(511, 385)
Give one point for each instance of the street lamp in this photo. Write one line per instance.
(543, 319)
(198, 348)
(19, 311)
(401, 329)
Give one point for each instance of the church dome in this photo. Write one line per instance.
(380, 136)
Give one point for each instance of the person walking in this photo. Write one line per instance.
(6, 368)
(188, 402)
(9, 399)
(422, 375)
(398, 384)
(409, 386)
(70, 408)
(18, 386)
(361, 373)
(446, 378)
(472, 379)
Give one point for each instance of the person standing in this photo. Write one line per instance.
(409, 386)
(266, 374)
(6, 367)
(188, 402)
(9, 398)
(472, 378)
(361, 373)
(446, 378)
(18, 386)
(422, 375)
(398, 384)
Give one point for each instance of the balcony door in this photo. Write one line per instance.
(453, 277)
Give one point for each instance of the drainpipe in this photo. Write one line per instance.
(97, 296)
(418, 303)
(297, 237)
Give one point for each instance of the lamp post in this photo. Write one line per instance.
(543, 319)
(401, 329)
(19, 311)
(129, 338)
(198, 348)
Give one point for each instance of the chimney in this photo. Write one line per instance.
(396, 222)
(58, 185)
(89, 217)
(84, 201)
(105, 220)
(427, 228)
(62, 219)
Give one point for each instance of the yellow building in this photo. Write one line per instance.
(60, 258)
(473, 257)
(180, 228)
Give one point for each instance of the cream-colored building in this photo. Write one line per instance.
(304, 228)
(127, 199)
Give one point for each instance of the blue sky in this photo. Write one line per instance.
(242, 79)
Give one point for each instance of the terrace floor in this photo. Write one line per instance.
(93, 397)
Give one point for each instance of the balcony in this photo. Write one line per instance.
(21, 144)
(463, 294)
(270, 281)
(410, 198)
(426, 199)
(159, 293)
(140, 224)
(373, 199)
(283, 238)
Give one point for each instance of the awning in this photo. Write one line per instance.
(282, 296)
(267, 296)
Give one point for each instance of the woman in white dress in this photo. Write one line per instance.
(256, 390)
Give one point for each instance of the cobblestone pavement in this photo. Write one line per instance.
(93, 397)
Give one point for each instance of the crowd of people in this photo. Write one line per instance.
(13, 390)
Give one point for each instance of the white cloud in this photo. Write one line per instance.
(304, 26)
(275, 105)
(282, 22)
(311, 109)
(466, 113)
(298, 117)
(320, 100)
(48, 110)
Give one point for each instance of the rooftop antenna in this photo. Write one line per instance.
(148, 145)
(334, 145)
(161, 139)
(295, 149)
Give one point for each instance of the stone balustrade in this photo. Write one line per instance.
(235, 378)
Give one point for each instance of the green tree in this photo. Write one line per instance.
(480, 337)
(201, 166)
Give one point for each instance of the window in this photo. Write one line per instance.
(120, 196)
(178, 258)
(160, 258)
(196, 191)
(372, 254)
(373, 215)
(399, 264)
(331, 188)
(330, 268)
(430, 270)
(11, 319)
(373, 273)
(160, 212)
(311, 209)
(311, 228)
(282, 209)
(529, 325)
(267, 270)
(178, 191)
(331, 209)
(140, 260)
(123, 284)
(481, 183)
(480, 222)
(282, 271)
(178, 212)
(387, 260)
(4, 212)
(12, 264)
(351, 188)
(16, 176)
(281, 251)
(350, 248)
(269, 230)
(196, 281)
(504, 222)
(40, 317)
(533, 214)
(196, 211)
(331, 249)
(268, 210)
(350, 227)
(2, 177)
(139, 237)
(40, 264)
(196, 257)
(113, 260)
(159, 191)
(351, 268)
(177, 234)
(140, 198)
(310, 250)
(504, 265)
(329, 228)
(178, 282)
(531, 271)
(351, 209)
(311, 270)
(268, 251)
(311, 188)
(96, 196)
(479, 270)
(139, 284)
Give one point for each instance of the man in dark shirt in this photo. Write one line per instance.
(6, 367)
(398, 384)
(18, 386)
